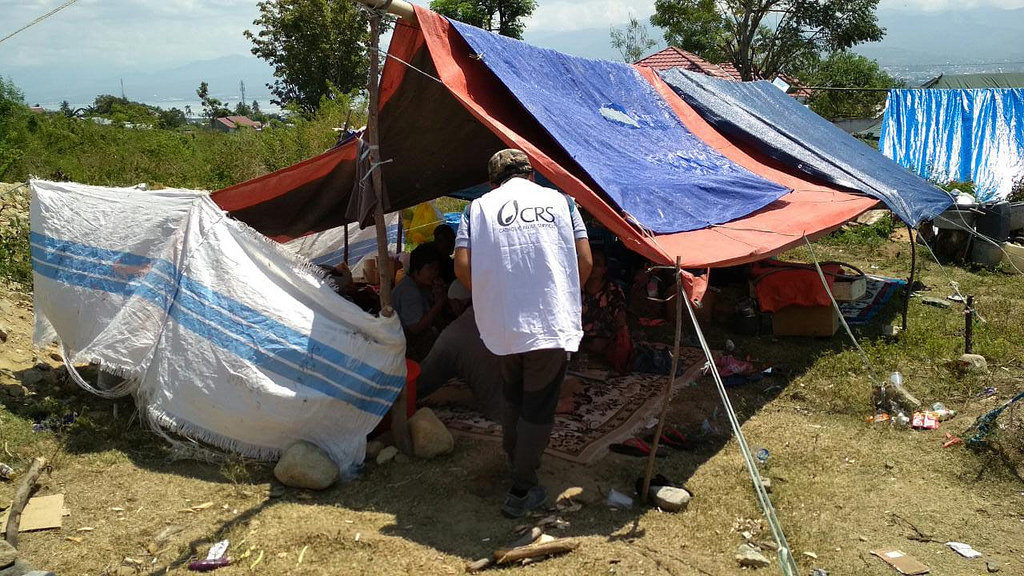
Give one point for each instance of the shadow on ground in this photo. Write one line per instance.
(451, 503)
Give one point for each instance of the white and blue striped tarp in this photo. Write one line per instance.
(223, 337)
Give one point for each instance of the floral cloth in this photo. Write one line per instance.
(599, 311)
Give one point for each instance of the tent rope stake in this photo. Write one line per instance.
(787, 564)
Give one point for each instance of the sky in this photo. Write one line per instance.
(115, 37)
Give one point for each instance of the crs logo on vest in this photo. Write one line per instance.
(510, 213)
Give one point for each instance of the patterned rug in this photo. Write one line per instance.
(879, 291)
(605, 410)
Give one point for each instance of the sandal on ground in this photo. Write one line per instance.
(634, 447)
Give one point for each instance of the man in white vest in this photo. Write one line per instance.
(523, 251)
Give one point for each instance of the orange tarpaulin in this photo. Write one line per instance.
(439, 136)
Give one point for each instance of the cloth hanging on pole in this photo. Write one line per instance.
(222, 337)
(363, 200)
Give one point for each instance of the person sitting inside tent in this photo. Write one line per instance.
(605, 330)
(459, 352)
(420, 299)
(444, 241)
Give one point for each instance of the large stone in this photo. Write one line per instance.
(993, 566)
(749, 557)
(305, 465)
(669, 498)
(975, 363)
(8, 554)
(429, 436)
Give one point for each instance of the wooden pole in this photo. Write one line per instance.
(21, 497)
(666, 398)
(910, 281)
(346, 244)
(559, 546)
(969, 326)
(399, 424)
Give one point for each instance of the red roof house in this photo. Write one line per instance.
(673, 57)
(232, 123)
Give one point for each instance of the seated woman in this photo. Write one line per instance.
(604, 312)
(420, 299)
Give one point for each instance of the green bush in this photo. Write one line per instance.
(79, 149)
(859, 235)
(158, 152)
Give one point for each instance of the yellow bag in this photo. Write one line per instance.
(419, 222)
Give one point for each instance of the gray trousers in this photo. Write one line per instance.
(531, 383)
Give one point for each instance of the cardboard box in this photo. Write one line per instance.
(849, 288)
(805, 321)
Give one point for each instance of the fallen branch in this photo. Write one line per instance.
(918, 536)
(21, 498)
(535, 551)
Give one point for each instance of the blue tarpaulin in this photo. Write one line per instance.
(620, 131)
(761, 114)
(958, 135)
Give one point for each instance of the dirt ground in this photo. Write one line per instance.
(841, 487)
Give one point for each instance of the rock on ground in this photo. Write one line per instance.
(669, 498)
(749, 557)
(975, 363)
(305, 465)
(993, 566)
(8, 554)
(429, 436)
(373, 448)
(386, 455)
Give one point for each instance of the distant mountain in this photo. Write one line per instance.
(81, 85)
(920, 45)
(588, 42)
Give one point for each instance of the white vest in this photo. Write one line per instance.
(526, 284)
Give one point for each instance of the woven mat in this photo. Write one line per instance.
(879, 291)
(605, 411)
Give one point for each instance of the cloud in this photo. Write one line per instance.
(567, 16)
(948, 5)
(123, 33)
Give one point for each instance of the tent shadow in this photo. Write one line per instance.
(451, 503)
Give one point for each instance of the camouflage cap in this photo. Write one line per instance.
(506, 164)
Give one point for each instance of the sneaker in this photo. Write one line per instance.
(519, 506)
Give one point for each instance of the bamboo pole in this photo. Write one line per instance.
(399, 417)
(666, 398)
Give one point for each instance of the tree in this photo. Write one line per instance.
(12, 114)
(317, 47)
(696, 26)
(848, 70)
(212, 107)
(171, 119)
(65, 109)
(506, 17)
(763, 38)
(632, 42)
(241, 109)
